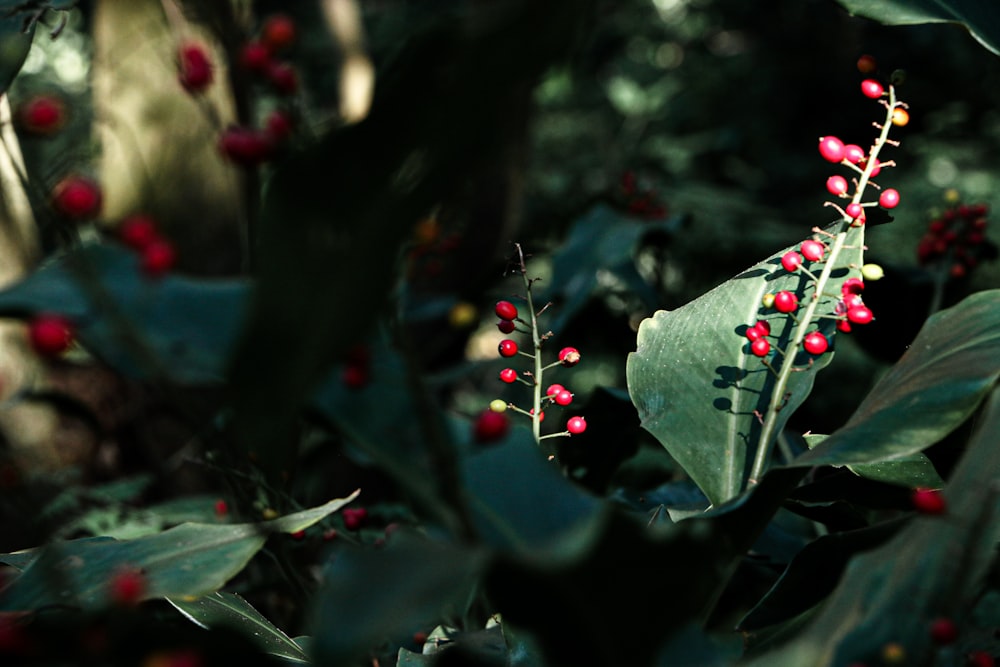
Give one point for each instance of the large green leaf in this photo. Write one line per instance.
(697, 387)
(189, 560)
(981, 19)
(230, 610)
(15, 42)
(913, 470)
(935, 567)
(951, 365)
(173, 327)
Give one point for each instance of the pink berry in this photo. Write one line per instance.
(138, 231)
(490, 426)
(508, 375)
(859, 314)
(812, 250)
(853, 153)
(872, 88)
(576, 425)
(754, 332)
(944, 631)
(50, 334)
(507, 348)
(506, 326)
(569, 356)
(564, 397)
(77, 198)
(791, 261)
(354, 517)
(157, 258)
(928, 501)
(836, 185)
(554, 389)
(815, 343)
(854, 210)
(876, 166)
(889, 198)
(831, 148)
(42, 115)
(195, 68)
(852, 286)
(246, 146)
(785, 302)
(221, 508)
(760, 347)
(505, 310)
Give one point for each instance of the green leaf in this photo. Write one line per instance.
(697, 386)
(369, 597)
(230, 610)
(913, 471)
(173, 327)
(189, 560)
(981, 19)
(935, 567)
(941, 379)
(15, 43)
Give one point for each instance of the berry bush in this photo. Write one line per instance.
(354, 333)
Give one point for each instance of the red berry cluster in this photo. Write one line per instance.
(156, 253)
(642, 202)
(492, 423)
(956, 240)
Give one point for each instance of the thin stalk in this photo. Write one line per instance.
(536, 342)
(768, 432)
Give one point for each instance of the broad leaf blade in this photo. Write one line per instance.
(981, 19)
(229, 610)
(948, 370)
(697, 387)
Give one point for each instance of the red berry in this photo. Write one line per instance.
(43, 115)
(785, 302)
(852, 286)
(278, 32)
(505, 310)
(355, 517)
(77, 198)
(854, 211)
(836, 185)
(255, 57)
(859, 314)
(944, 631)
(195, 68)
(569, 356)
(853, 153)
(279, 126)
(791, 261)
(138, 231)
(127, 587)
(876, 168)
(928, 501)
(508, 375)
(419, 638)
(221, 508)
(760, 347)
(490, 426)
(564, 397)
(831, 148)
(815, 343)
(852, 301)
(50, 335)
(843, 326)
(355, 376)
(554, 389)
(753, 333)
(872, 88)
(298, 535)
(576, 425)
(867, 64)
(246, 146)
(283, 78)
(507, 348)
(764, 327)
(541, 415)
(157, 258)
(889, 198)
(812, 250)
(980, 659)
(506, 326)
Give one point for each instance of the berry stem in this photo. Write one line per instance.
(768, 431)
(536, 341)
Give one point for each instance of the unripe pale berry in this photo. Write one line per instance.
(767, 300)
(791, 261)
(836, 185)
(812, 250)
(505, 310)
(576, 425)
(815, 343)
(507, 348)
(900, 117)
(889, 198)
(498, 405)
(569, 356)
(785, 302)
(508, 375)
(831, 148)
(872, 272)
(760, 347)
(872, 88)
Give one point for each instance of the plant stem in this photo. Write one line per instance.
(768, 432)
(536, 341)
